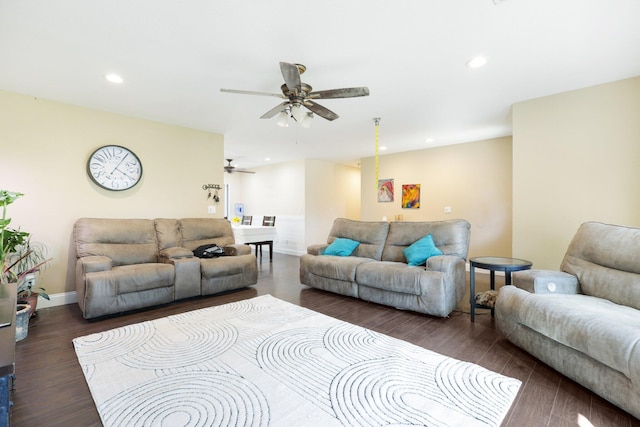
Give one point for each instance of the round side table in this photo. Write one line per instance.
(493, 264)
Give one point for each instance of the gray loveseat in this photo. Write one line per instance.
(583, 320)
(127, 264)
(377, 271)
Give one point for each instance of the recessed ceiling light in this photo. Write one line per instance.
(429, 140)
(114, 78)
(477, 62)
(267, 159)
(382, 148)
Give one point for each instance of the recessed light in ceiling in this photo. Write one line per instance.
(477, 62)
(382, 148)
(429, 140)
(114, 78)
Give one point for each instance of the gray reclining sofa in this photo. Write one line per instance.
(377, 270)
(127, 264)
(584, 320)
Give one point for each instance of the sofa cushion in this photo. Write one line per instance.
(205, 231)
(451, 237)
(601, 329)
(134, 278)
(226, 265)
(371, 236)
(168, 233)
(398, 277)
(341, 247)
(334, 267)
(421, 250)
(125, 241)
(605, 260)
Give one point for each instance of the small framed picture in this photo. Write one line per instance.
(385, 190)
(411, 196)
(239, 209)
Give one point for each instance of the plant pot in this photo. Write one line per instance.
(32, 300)
(22, 321)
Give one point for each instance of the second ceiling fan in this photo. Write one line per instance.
(299, 94)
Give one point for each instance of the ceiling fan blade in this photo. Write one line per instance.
(323, 112)
(251, 92)
(291, 76)
(275, 110)
(243, 171)
(349, 92)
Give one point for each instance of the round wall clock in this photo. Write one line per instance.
(114, 167)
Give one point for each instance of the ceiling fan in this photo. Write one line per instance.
(229, 168)
(299, 94)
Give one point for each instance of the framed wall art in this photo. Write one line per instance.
(411, 196)
(385, 190)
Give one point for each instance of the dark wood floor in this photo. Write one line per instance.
(51, 390)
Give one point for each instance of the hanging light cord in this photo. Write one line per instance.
(376, 120)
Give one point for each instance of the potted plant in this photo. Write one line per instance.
(30, 259)
(19, 259)
(9, 238)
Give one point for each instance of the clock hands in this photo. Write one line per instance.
(125, 174)
(119, 163)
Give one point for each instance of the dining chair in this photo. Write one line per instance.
(267, 221)
(246, 219)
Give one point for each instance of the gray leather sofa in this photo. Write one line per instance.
(127, 264)
(583, 320)
(377, 271)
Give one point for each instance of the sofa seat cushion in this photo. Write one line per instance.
(225, 265)
(141, 277)
(601, 329)
(335, 267)
(397, 277)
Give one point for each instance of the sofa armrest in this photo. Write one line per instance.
(174, 253)
(237, 249)
(444, 263)
(317, 249)
(93, 263)
(546, 282)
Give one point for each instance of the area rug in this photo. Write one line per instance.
(266, 362)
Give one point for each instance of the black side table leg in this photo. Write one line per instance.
(472, 291)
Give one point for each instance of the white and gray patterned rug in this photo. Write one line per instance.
(266, 362)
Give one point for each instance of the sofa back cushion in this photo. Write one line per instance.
(125, 241)
(168, 233)
(205, 231)
(371, 236)
(606, 260)
(451, 237)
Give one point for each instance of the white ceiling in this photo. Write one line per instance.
(411, 54)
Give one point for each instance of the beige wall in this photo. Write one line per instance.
(333, 191)
(576, 158)
(44, 150)
(273, 190)
(305, 195)
(474, 179)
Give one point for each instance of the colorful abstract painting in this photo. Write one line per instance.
(385, 190)
(411, 196)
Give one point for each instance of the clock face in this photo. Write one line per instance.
(114, 168)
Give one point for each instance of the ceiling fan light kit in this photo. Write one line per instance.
(299, 95)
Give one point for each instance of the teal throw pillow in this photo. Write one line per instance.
(341, 247)
(421, 250)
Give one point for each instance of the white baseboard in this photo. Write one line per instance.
(288, 252)
(58, 299)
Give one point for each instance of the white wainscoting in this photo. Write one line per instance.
(290, 239)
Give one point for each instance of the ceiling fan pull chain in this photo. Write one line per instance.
(376, 120)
